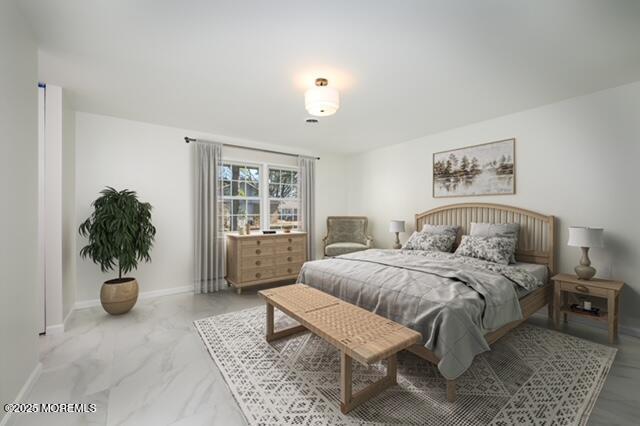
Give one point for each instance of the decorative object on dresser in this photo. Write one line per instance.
(264, 258)
(486, 169)
(357, 333)
(397, 226)
(567, 284)
(583, 237)
(346, 234)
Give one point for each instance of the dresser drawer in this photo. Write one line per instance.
(257, 274)
(267, 250)
(583, 289)
(256, 242)
(290, 239)
(285, 259)
(257, 262)
(286, 270)
(296, 247)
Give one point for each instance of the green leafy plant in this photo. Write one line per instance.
(119, 230)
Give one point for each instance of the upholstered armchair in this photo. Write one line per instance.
(346, 234)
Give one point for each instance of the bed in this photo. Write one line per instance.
(459, 305)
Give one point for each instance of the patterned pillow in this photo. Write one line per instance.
(505, 230)
(440, 229)
(429, 242)
(493, 249)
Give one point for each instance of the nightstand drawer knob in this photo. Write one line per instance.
(582, 288)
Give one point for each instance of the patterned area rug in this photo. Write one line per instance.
(531, 376)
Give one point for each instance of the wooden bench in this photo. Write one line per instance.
(357, 333)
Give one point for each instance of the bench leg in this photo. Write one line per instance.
(451, 391)
(272, 335)
(349, 400)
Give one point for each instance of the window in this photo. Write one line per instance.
(241, 195)
(283, 197)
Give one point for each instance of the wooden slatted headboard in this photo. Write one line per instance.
(536, 242)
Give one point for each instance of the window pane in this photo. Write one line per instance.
(253, 189)
(274, 176)
(283, 211)
(289, 191)
(285, 176)
(239, 207)
(253, 207)
(254, 221)
(254, 174)
(274, 191)
(243, 173)
(294, 178)
(226, 188)
(235, 172)
(226, 172)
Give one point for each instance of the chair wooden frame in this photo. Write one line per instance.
(536, 244)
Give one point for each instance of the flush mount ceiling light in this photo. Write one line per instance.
(322, 100)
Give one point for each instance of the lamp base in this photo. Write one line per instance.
(397, 246)
(585, 272)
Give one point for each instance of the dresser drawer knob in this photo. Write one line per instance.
(289, 270)
(258, 251)
(582, 288)
(258, 263)
(289, 248)
(258, 274)
(258, 242)
(289, 259)
(290, 240)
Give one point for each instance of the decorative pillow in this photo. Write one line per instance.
(504, 230)
(494, 249)
(429, 242)
(440, 229)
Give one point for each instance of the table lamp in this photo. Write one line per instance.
(396, 226)
(585, 238)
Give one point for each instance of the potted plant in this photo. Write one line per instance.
(120, 235)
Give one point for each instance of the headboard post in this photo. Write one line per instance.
(536, 241)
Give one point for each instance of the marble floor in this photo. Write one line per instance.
(149, 367)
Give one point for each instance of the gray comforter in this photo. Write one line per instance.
(452, 301)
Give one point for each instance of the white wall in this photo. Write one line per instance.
(18, 208)
(577, 160)
(69, 228)
(154, 161)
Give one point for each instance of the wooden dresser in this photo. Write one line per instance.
(264, 258)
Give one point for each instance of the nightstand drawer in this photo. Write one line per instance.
(583, 289)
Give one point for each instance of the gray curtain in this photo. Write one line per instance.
(209, 238)
(307, 171)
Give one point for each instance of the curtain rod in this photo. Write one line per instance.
(187, 139)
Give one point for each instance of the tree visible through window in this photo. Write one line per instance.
(284, 203)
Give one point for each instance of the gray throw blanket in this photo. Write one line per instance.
(450, 300)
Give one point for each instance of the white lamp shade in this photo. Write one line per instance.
(396, 226)
(580, 236)
(322, 101)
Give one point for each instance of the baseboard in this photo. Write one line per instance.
(624, 329)
(52, 330)
(144, 295)
(26, 388)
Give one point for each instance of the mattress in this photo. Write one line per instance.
(541, 272)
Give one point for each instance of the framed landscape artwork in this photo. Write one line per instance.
(486, 169)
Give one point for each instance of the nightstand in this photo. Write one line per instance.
(596, 287)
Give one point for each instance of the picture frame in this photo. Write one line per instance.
(476, 170)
